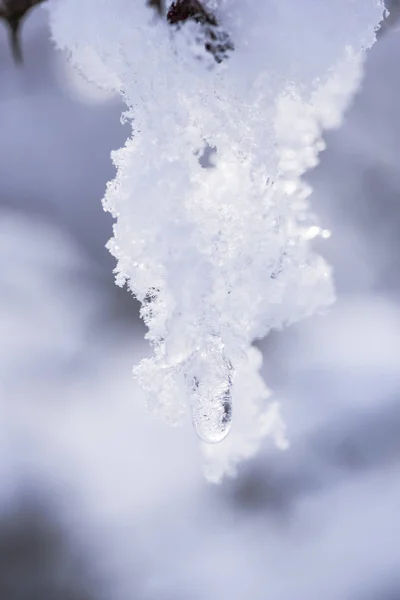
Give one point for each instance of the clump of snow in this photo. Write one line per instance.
(219, 256)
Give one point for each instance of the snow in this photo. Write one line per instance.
(219, 256)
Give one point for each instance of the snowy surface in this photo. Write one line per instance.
(319, 521)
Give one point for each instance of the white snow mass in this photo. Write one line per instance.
(212, 226)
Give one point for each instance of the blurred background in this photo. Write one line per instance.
(101, 500)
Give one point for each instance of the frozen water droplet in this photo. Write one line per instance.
(212, 415)
(211, 404)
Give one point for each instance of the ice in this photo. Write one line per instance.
(211, 397)
(219, 256)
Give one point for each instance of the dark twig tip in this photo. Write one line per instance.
(15, 41)
(217, 41)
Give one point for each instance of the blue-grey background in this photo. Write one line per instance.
(98, 498)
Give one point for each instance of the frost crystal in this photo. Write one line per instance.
(213, 228)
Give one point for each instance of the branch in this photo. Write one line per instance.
(12, 12)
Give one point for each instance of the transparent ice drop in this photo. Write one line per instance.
(211, 397)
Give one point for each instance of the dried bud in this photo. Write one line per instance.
(183, 10)
(217, 41)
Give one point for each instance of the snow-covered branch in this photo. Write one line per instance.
(212, 221)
